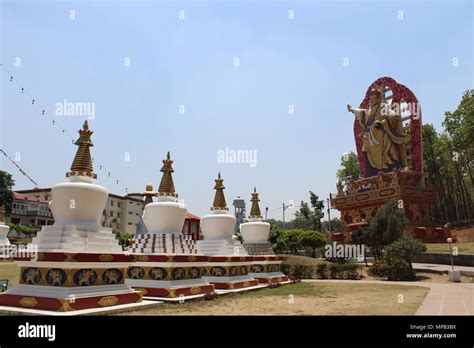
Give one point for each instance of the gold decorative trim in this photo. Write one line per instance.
(28, 302)
(195, 290)
(65, 306)
(107, 301)
(70, 258)
(106, 258)
(142, 291)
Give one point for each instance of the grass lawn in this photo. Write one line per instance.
(10, 271)
(304, 299)
(463, 248)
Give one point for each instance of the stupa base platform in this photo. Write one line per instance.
(26, 298)
(170, 291)
(249, 288)
(232, 283)
(271, 278)
(102, 310)
(65, 281)
(229, 272)
(169, 277)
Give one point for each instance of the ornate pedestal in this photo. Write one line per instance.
(169, 277)
(365, 196)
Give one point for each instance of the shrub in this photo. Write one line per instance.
(397, 269)
(335, 270)
(322, 270)
(299, 271)
(376, 270)
(350, 270)
(406, 248)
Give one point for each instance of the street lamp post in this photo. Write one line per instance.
(329, 216)
(454, 276)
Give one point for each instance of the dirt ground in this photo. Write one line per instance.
(305, 299)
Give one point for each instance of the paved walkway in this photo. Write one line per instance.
(465, 270)
(443, 298)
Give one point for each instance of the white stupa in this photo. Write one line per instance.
(229, 263)
(167, 265)
(164, 220)
(255, 232)
(4, 242)
(77, 263)
(218, 228)
(77, 207)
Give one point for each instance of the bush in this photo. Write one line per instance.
(335, 270)
(397, 259)
(350, 270)
(322, 270)
(376, 270)
(397, 269)
(299, 271)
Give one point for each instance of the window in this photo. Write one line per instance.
(118, 204)
(111, 203)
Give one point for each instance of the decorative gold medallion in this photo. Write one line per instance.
(245, 284)
(29, 302)
(142, 258)
(40, 257)
(107, 301)
(195, 290)
(106, 258)
(192, 258)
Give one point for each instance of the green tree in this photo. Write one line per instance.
(384, 228)
(312, 240)
(290, 238)
(349, 167)
(309, 217)
(460, 126)
(6, 193)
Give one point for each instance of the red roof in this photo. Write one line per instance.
(190, 216)
(20, 197)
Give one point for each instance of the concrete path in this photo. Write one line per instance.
(465, 270)
(443, 298)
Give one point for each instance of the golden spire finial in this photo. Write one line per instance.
(219, 199)
(255, 209)
(82, 164)
(149, 194)
(2, 213)
(166, 185)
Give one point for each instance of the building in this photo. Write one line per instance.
(121, 212)
(239, 211)
(31, 208)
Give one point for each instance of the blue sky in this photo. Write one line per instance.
(190, 62)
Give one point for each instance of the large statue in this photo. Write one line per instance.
(383, 147)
